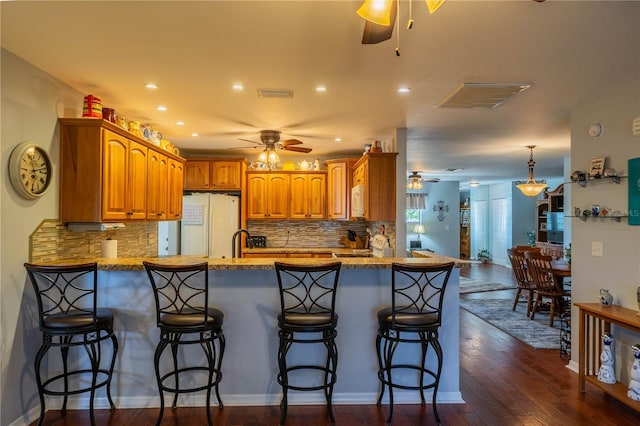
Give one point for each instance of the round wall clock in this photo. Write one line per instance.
(30, 170)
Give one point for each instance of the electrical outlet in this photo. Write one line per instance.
(597, 249)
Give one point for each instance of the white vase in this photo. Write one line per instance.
(606, 373)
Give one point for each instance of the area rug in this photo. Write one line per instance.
(497, 312)
(468, 285)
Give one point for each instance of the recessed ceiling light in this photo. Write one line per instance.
(237, 87)
(151, 86)
(474, 184)
(194, 134)
(338, 140)
(161, 108)
(321, 89)
(404, 90)
(179, 123)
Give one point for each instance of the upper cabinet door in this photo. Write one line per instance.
(137, 181)
(278, 196)
(157, 186)
(114, 176)
(308, 196)
(257, 196)
(226, 174)
(197, 174)
(176, 178)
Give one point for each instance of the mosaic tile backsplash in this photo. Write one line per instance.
(52, 241)
(296, 233)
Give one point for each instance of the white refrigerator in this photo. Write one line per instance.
(208, 224)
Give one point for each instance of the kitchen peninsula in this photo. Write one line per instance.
(246, 290)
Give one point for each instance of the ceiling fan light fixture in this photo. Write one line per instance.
(433, 5)
(531, 188)
(415, 181)
(273, 157)
(376, 11)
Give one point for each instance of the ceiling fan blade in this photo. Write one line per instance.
(296, 149)
(250, 141)
(374, 33)
(290, 142)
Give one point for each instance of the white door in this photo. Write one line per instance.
(499, 215)
(479, 227)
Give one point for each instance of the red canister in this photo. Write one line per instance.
(110, 114)
(92, 107)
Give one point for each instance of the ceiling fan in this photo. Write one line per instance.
(270, 140)
(380, 18)
(415, 180)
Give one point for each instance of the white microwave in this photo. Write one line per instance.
(357, 201)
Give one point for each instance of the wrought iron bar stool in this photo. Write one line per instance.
(69, 318)
(307, 316)
(417, 294)
(184, 317)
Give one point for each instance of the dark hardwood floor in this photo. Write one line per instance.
(503, 381)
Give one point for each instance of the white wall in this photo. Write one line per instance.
(619, 269)
(31, 103)
(442, 236)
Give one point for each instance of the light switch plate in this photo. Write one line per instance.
(597, 249)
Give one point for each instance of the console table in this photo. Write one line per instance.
(594, 319)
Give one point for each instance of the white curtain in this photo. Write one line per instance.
(416, 200)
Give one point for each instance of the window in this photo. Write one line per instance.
(413, 215)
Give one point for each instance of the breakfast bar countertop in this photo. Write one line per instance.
(135, 263)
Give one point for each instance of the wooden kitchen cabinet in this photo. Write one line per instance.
(339, 183)
(176, 178)
(377, 173)
(213, 174)
(104, 173)
(124, 182)
(267, 195)
(157, 186)
(308, 195)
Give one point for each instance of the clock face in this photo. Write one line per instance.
(30, 170)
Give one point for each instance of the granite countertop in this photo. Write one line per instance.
(289, 250)
(135, 263)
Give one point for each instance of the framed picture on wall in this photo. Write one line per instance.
(543, 226)
(597, 168)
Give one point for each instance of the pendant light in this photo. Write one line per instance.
(531, 188)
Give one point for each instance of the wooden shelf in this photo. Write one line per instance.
(617, 390)
(594, 319)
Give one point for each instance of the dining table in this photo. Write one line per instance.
(561, 269)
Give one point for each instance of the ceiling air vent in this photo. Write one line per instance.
(275, 93)
(482, 95)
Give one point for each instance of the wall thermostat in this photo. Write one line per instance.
(595, 130)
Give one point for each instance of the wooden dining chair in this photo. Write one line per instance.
(528, 248)
(539, 266)
(524, 281)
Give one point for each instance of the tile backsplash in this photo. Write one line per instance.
(52, 241)
(317, 233)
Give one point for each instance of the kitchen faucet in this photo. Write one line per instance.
(233, 240)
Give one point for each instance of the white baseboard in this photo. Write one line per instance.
(230, 400)
(573, 366)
